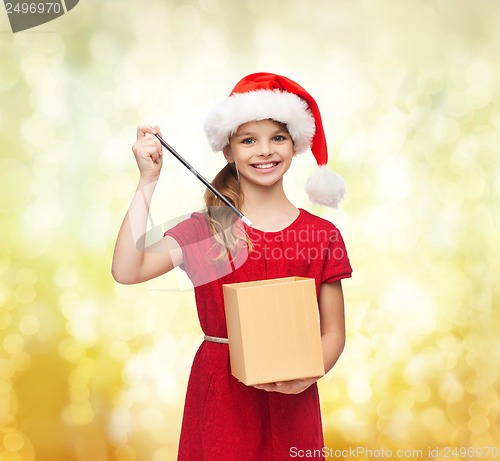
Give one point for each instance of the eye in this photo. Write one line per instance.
(279, 138)
(247, 141)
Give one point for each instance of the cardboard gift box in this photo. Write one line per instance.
(273, 330)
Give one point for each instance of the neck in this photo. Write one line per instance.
(267, 206)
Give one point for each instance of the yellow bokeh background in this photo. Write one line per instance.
(410, 98)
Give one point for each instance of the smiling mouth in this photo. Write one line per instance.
(265, 166)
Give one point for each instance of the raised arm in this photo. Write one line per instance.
(132, 262)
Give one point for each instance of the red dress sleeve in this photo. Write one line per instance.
(199, 250)
(189, 234)
(336, 264)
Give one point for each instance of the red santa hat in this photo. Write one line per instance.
(263, 96)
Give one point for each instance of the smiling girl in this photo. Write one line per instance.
(264, 123)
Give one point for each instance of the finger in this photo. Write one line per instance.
(144, 150)
(143, 130)
(264, 387)
(260, 386)
(285, 383)
(150, 143)
(157, 129)
(156, 157)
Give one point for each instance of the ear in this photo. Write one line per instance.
(227, 154)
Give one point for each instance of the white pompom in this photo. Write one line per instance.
(326, 187)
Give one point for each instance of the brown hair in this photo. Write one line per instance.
(220, 217)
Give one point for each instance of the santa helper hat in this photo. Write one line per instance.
(263, 96)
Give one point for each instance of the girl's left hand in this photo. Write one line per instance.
(295, 386)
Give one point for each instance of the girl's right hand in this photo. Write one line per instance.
(148, 152)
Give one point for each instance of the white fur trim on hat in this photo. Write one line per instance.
(326, 187)
(288, 108)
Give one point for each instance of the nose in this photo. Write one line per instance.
(265, 149)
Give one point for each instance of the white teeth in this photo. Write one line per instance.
(264, 166)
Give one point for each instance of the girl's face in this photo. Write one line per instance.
(262, 151)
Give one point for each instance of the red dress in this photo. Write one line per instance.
(224, 420)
